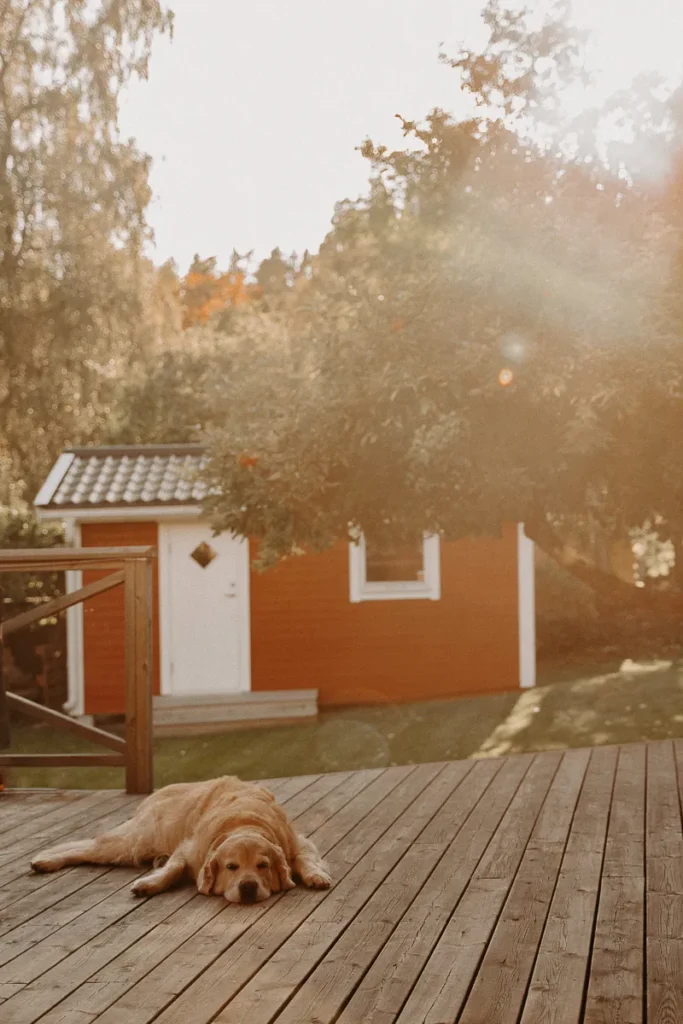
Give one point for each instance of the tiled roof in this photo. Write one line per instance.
(123, 477)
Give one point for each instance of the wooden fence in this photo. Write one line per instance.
(130, 568)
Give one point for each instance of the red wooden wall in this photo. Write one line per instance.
(306, 633)
(103, 620)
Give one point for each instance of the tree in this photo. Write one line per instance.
(276, 277)
(206, 293)
(178, 396)
(19, 529)
(530, 62)
(75, 289)
(477, 342)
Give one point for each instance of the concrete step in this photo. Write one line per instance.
(206, 713)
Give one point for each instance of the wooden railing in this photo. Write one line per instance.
(130, 568)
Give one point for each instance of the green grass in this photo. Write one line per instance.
(594, 709)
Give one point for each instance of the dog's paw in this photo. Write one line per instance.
(318, 879)
(42, 864)
(143, 887)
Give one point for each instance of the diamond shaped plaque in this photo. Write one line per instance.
(203, 554)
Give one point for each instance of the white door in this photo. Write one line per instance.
(204, 584)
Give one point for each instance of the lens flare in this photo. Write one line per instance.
(514, 348)
(505, 377)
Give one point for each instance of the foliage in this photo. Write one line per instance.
(483, 337)
(78, 302)
(177, 396)
(210, 296)
(182, 392)
(21, 529)
(205, 291)
(492, 333)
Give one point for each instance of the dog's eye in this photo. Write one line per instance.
(231, 867)
(262, 865)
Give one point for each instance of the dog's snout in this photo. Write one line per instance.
(248, 892)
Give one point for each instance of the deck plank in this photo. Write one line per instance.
(664, 887)
(385, 987)
(286, 788)
(68, 956)
(555, 993)
(360, 915)
(500, 986)
(114, 979)
(28, 936)
(63, 814)
(13, 862)
(17, 878)
(25, 888)
(445, 981)
(59, 888)
(615, 986)
(535, 889)
(344, 839)
(16, 807)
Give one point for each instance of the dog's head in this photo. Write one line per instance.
(245, 868)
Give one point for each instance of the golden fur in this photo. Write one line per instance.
(230, 837)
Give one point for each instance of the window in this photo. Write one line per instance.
(411, 572)
(404, 564)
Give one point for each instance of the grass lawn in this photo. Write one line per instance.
(644, 702)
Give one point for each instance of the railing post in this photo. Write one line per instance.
(4, 705)
(138, 697)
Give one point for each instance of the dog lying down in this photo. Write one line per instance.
(230, 837)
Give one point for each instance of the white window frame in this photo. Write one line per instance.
(428, 589)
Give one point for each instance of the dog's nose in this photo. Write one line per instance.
(248, 892)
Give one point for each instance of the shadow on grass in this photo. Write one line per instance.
(636, 703)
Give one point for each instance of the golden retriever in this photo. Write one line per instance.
(230, 837)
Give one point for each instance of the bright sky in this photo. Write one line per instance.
(253, 112)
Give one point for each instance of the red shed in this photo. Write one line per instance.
(349, 626)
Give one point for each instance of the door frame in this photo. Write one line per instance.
(165, 599)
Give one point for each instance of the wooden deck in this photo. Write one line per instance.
(527, 890)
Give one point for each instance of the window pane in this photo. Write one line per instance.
(398, 565)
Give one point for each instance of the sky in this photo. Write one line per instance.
(253, 112)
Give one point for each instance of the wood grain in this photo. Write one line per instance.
(500, 987)
(451, 968)
(61, 603)
(541, 889)
(664, 888)
(138, 676)
(23, 823)
(65, 723)
(346, 949)
(14, 864)
(615, 985)
(70, 932)
(225, 955)
(385, 987)
(555, 993)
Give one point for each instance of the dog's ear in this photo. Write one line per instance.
(207, 873)
(281, 875)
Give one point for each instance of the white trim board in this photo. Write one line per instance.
(54, 478)
(119, 514)
(409, 590)
(75, 670)
(163, 611)
(526, 602)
